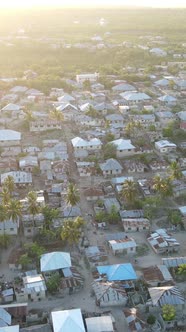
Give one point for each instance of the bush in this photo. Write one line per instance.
(151, 319)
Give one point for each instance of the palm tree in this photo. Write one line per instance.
(49, 215)
(5, 240)
(163, 186)
(129, 191)
(71, 230)
(3, 216)
(182, 270)
(29, 116)
(175, 171)
(56, 115)
(14, 210)
(9, 184)
(33, 206)
(5, 194)
(73, 196)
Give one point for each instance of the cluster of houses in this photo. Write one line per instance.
(134, 117)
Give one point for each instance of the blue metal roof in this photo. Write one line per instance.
(118, 272)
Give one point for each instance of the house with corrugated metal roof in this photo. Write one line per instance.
(162, 242)
(159, 296)
(117, 272)
(100, 324)
(109, 293)
(134, 319)
(32, 288)
(120, 243)
(157, 275)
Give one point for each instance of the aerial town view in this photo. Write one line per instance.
(92, 166)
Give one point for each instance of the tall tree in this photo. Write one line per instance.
(73, 196)
(5, 194)
(163, 186)
(33, 207)
(56, 115)
(175, 171)
(182, 270)
(9, 184)
(49, 215)
(71, 230)
(14, 210)
(129, 191)
(3, 216)
(29, 116)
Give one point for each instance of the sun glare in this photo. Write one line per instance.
(12, 4)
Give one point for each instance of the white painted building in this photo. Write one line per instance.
(124, 147)
(87, 77)
(165, 146)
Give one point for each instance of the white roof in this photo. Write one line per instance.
(80, 142)
(182, 210)
(65, 105)
(167, 98)
(99, 324)
(14, 328)
(123, 144)
(164, 143)
(68, 321)
(5, 317)
(11, 107)
(163, 82)
(66, 98)
(55, 261)
(135, 96)
(9, 135)
(157, 50)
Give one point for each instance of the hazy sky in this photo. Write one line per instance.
(86, 3)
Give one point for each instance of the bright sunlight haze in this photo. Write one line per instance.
(75, 3)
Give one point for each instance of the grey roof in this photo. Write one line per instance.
(167, 98)
(111, 164)
(18, 88)
(132, 214)
(37, 328)
(34, 283)
(162, 82)
(114, 117)
(123, 87)
(174, 261)
(72, 211)
(115, 236)
(9, 135)
(182, 115)
(109, 202)
(135, 96)
(166, 114)
(99, 324)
